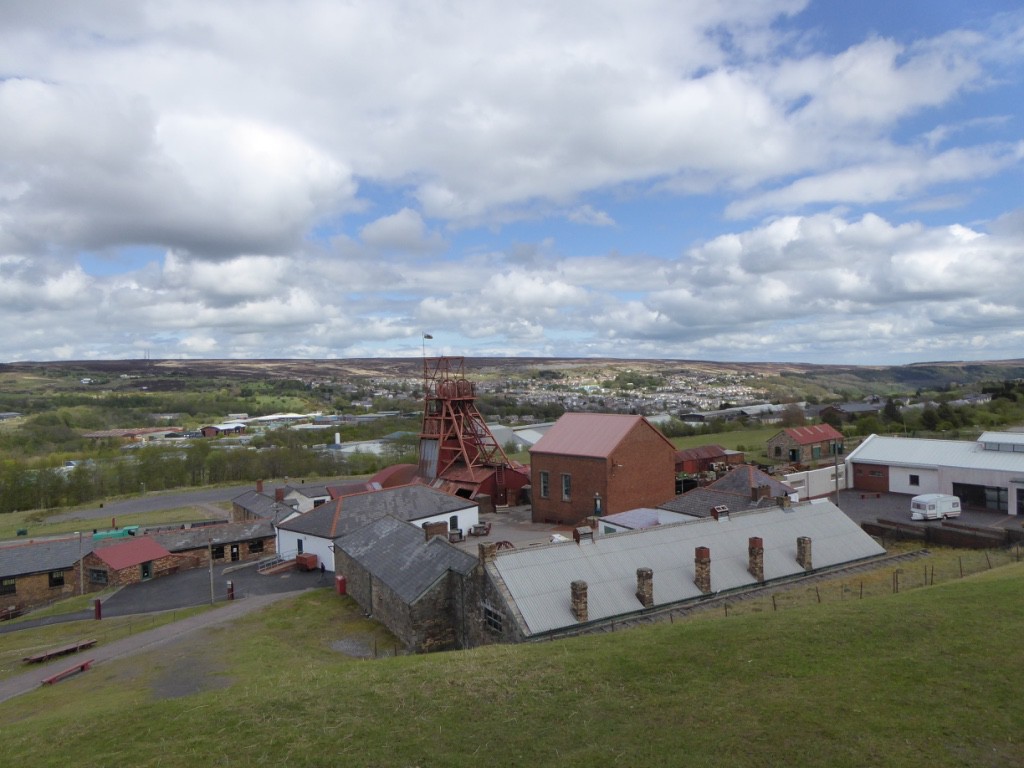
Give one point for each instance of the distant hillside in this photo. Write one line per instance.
(800, 378)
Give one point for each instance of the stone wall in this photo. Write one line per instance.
(34, 589)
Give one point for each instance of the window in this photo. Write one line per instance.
(8, 586)
(97, 576)
(915, 479)
(566, 487)
(545, 483)
(255, 546)
(815, 451)
(778, 451)
(492, 619)
(56, 579)
(218, 552)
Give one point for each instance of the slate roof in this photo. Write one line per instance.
(261, 505)
(700, 452)
(593, 435)
(125, 554)
(309, 491)
(29, 557)
(227, 533)
(732, 490)
(537, 579)
(398, 554)
(349, 513)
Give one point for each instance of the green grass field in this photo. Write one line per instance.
(927, 677)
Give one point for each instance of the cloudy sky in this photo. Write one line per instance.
(752, 180)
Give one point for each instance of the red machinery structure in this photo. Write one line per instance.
(458, 453)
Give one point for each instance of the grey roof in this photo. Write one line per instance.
(226, 533)
(644, 517)
(41, 556)
(261, 505)
(538, 578)
(732, 490)
(309, 491)
(399, 555)
(349, 513)
(920, 452)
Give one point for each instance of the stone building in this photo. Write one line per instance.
(35, 573)
(409, 581)
(806, 445)
(130, 562)
(599, 463)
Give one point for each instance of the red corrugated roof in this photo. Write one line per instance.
(813, 434)
(700, 452)
(590, 434)
(132, 552)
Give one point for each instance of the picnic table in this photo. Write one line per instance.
(63, 650)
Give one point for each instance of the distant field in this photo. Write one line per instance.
(37, 523)
(926, 678)
(751, 441)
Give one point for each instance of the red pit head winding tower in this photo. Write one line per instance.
(456, 447)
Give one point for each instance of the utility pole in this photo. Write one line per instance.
(81, 566)
(209, 549)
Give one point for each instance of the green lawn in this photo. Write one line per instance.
(928, 677)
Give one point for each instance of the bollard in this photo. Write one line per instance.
(97, 609)
(231, 590)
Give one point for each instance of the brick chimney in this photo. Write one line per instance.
(720, 511)
(759, 492)
(755, 553)
(783, 501)
(259, 486)
(487, 551)
(702, 569)
(579, 600)
(439, 528)
(279, 495)
(645, 586)
(803, 552)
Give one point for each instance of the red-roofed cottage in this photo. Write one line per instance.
(129, 562)
(806, 445)
(616, 461)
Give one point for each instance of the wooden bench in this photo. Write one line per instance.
(63, 650)
(72, 670)
(10, 612)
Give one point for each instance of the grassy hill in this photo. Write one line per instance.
(929, 677)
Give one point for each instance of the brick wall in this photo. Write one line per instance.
(639, 473)
(132, 574)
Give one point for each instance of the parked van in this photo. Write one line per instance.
(934, 506)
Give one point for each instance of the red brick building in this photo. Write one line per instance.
(600, 463)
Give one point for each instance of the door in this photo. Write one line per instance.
(234, 553)
(147, 570)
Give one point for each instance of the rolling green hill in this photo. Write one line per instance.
(930, 677)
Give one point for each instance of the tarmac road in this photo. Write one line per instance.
(153, 502)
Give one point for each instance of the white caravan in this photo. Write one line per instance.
(934, 506)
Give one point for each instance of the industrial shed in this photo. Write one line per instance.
(987, 473)
(563, 588)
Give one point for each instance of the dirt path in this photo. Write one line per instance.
(144, 641)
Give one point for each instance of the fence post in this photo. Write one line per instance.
(961, 559)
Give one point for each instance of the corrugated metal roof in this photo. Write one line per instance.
(594, 435)
(815, 433)
(538, 579)
(133, 552)
(1005, 438)
(921, 452)
(398, 554)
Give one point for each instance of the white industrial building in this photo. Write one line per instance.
(987, 473)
